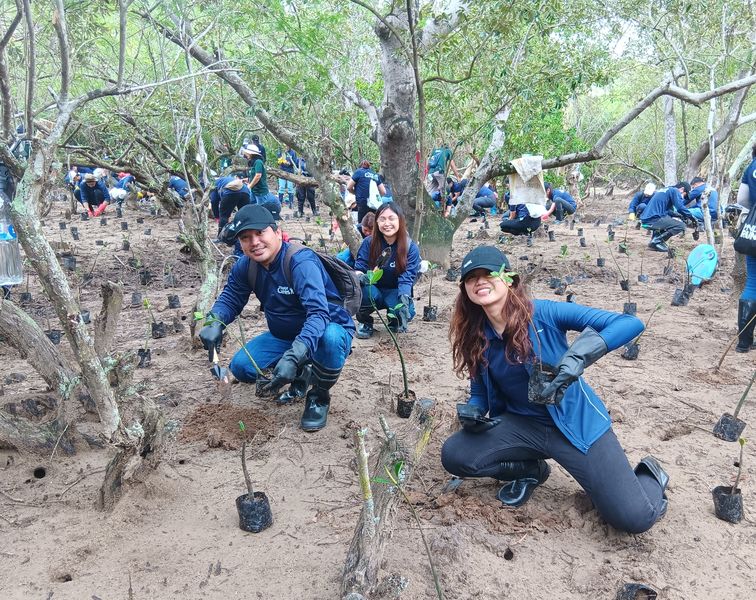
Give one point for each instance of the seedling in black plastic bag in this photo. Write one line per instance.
(729, 427)
(728, 501)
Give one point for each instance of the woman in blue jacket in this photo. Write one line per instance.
(391, 249)
(500, 338)
(747, 302)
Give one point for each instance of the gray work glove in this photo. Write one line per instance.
(288, 366)
(587, 348)
(403, 313)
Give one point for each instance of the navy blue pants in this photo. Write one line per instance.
(626, 501)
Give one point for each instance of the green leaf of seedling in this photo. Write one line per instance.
(742, 442)
(374, 276)
(146, 303)
(564, 250)
(398, 470)
(380, 480)
(242, 426)
(398, 306)
(198, 316)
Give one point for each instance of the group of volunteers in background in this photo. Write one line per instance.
(501, 339)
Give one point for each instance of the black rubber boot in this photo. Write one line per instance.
(652, 467)
(365, 328)
(658, 244)
(746, 325)
(298, 387)
(318, 399)
(524, 477)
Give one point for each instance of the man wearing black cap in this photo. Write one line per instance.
(657, 216)
(309, 328)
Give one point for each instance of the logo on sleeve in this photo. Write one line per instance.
(286, 291)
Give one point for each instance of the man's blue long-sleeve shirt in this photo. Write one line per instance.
(695, 196)
(89, 194)
(662, 202)
(639, 198)
(300, 310)
(390, 280)
(564, 195)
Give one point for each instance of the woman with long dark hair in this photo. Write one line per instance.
(391, 249)
(513, 422)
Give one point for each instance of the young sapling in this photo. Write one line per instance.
(253, 507)
(632, 348)
(728, 501)
(430, 312)
(729, 427)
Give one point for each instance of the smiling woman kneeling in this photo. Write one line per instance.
(502, 339)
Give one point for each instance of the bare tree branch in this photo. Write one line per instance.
(63, 49)
(597, 151)
(31, 64)
(5, 94)
(747, 119)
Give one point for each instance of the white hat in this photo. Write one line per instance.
(251, 149)
(649, 189)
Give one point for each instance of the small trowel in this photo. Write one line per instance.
(220, 373)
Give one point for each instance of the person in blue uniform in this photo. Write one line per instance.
(486, 198)
(564, 203)
(747, 301)
(231, 194)
(640, 201)
(94, 194)
(697, 188)
(658, 215)
(502, 339)
(359, 185)
(391, 249)
(309, 331)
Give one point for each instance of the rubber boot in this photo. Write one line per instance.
(657, 243)
(524, 477)
(746, 325)
(365, 328)
(298, 387)
(651, 466)
(318, 399)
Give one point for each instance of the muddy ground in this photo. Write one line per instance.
(177, 535)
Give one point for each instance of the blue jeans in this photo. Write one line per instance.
(383, 299)
(480, 204)
(284, 185)
(749, 291)
(332, 352)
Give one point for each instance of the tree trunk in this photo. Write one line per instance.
(396, 135)
(19, 433)
(670, 141)
(23, 333)
(369, 541)
(42, 258)
(137, 454)
(107, 320)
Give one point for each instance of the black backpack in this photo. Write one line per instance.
(346, 280)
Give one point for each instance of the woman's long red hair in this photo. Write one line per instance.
(468, 338)
(402, 239)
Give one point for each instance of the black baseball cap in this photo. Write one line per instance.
(252, 216)
(484, 257)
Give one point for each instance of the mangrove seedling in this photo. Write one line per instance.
(198, 316)
(374, 276)
(732, 341)
(729, 427)
(728, 501)
(253, 507)
(632, 348)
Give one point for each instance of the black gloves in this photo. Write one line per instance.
(288, 366)
(403, 313)
(691, 222)
(587, 348)
(211, 335)
(473, 420)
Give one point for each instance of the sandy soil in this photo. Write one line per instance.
(177, 536)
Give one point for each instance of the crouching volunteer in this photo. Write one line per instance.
(94, 194)
(499, 337)
(390, 249)
(310, 331)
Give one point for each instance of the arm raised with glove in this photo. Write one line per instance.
(587, 348)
